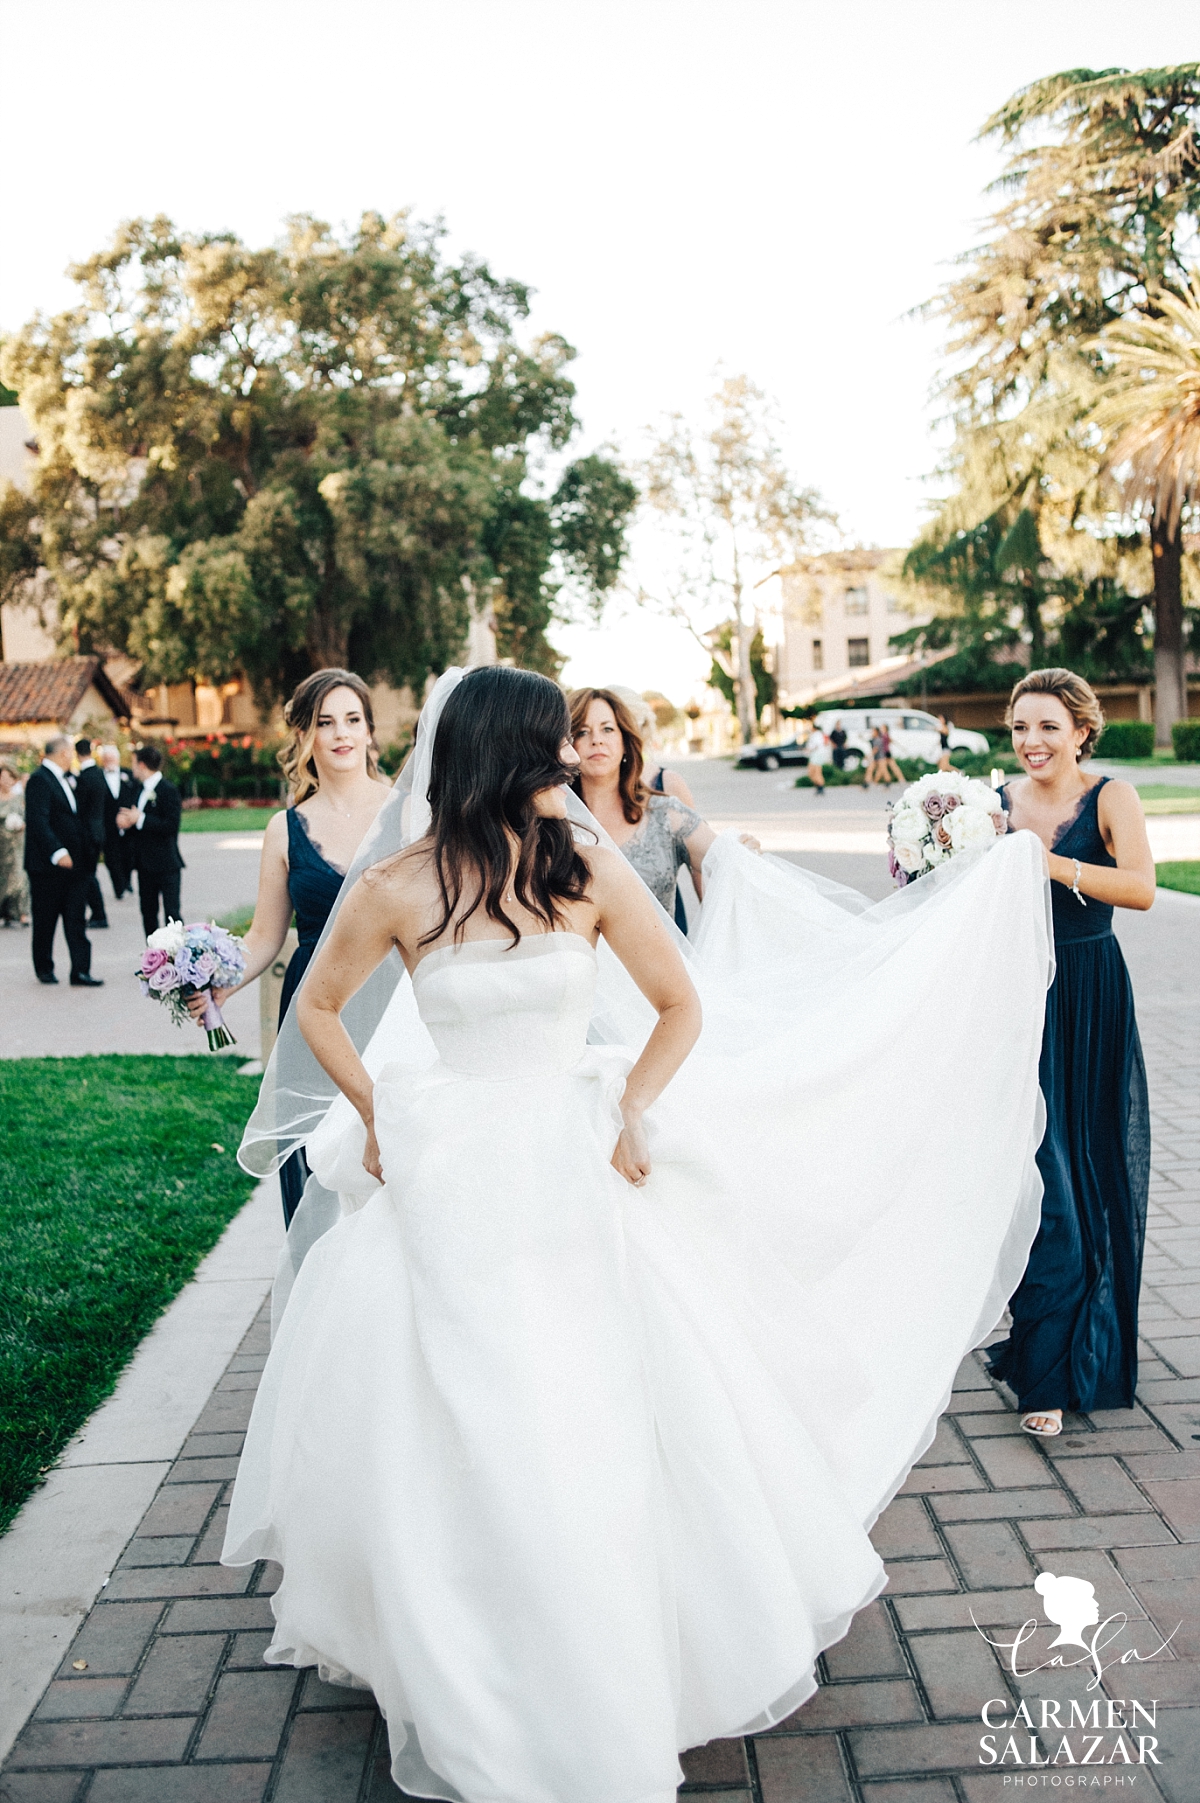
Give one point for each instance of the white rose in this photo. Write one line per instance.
(971, 827)
(980, 795)
(910, 858)
(908, 826)
(168, 939)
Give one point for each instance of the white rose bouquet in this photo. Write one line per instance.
(941, 815)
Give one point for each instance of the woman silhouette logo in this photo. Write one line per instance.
(1070, 1603)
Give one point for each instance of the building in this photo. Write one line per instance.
(69, 694)
(839, 612)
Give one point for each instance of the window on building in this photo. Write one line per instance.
(858, 653)
(818, 655)
(893, 604)
(856, 601)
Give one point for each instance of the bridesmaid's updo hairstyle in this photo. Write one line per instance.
(634, 792)
(497, 746)
(302, 713)
(1077, 696)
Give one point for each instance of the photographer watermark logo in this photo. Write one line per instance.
(1105, 1731)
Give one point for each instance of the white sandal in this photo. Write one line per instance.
(1042, 1433)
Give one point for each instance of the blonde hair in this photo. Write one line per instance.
(1077, 696)
(302, 713)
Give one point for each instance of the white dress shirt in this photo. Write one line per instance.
(148, 787)
(56, 857)
(113, 779)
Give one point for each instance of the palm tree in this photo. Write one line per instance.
(1149, 412)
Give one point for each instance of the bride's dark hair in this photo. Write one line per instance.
(498, 743)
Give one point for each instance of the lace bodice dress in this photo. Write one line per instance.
(313, 886)
(1073, 1342)
(657, 848)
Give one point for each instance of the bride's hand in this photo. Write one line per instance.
(750, 842)
(631, 1157)
(371, 1162)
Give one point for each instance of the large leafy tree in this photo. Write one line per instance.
(1097, 216)
(269, 460)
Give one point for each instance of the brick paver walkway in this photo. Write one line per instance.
(163, 1699)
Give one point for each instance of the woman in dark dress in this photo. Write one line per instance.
(329, 761)
(1073, 1342)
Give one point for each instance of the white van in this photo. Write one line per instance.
(914, 733)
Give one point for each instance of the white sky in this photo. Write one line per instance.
(769, 184)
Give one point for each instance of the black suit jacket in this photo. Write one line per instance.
(155, 844)
(125, 797)
(91, 797)
(51, 825)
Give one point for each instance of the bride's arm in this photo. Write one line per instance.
(359, 941)
(634, 929)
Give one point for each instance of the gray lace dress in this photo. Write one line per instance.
(657, 848)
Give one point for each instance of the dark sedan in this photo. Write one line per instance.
(772, 757)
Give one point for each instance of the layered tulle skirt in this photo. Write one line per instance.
(572, 1475)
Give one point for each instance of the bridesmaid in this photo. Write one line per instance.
(329, 762)
(1073, 1342)
(658, 832)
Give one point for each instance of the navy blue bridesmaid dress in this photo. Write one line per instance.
(313, 884)
(1073, 1342)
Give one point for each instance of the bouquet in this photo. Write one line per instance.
(936, 818)
(180, 962)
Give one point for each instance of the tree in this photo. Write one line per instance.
(1101, 195)
(263, 461)
(1149, 412)
(738, 516)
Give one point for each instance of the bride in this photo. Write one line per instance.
(577, 1419)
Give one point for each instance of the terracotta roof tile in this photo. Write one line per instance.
(50, 692)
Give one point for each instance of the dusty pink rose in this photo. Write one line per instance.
(952, 802)
(942, 835)
(934, 806)
(153, 959)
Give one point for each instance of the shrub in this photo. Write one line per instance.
(1185, 737)
(1127, 739)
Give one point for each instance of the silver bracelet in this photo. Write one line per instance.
(1075, 885)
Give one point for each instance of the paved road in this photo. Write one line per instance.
(172, 1704)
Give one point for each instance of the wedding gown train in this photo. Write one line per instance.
(573, 1475)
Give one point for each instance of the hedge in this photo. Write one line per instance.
(1185, 737)
(1127, 739)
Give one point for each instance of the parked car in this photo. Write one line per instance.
(772, 757)
(914, 733)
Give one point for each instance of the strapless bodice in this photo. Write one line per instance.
(494, 1009)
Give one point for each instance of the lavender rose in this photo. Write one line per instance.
(934, 806)
(153, 958)
(164, 978)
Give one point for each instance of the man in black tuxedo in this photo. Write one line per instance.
(152, 824)
(90, 794)
(120, 792)
(57, 852)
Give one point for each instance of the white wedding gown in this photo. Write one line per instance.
(573, 1475)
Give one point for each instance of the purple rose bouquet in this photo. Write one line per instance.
(180, 962)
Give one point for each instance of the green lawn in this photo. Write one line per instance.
(117, 1175)
(227, 820)
(1169, 798)
(1183, 874)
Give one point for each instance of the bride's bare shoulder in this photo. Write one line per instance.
(405, 873)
